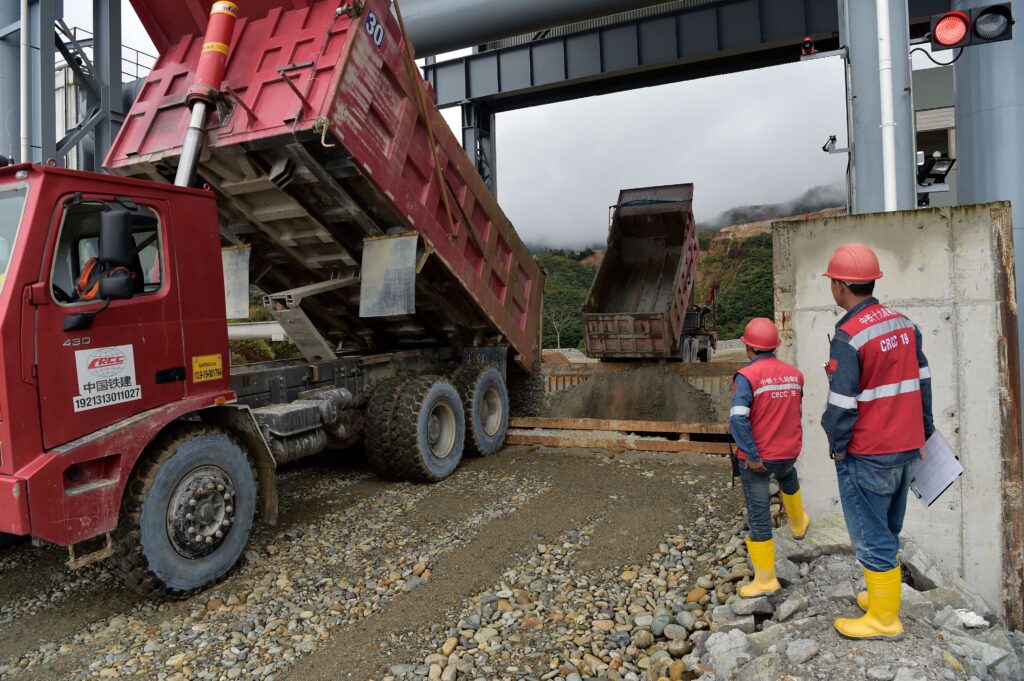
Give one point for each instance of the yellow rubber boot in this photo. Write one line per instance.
(881, 621)
(862, 600)
(798, 519)
(762, 555)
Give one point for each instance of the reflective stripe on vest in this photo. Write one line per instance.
(775, 410)
(890, 417)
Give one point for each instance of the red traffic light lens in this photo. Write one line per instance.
(951, 29)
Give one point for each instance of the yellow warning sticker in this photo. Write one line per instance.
(207, 368)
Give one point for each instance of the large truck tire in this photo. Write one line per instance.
(187, 513)
(9, 539)
(380, 411)
(704, 352)
(428, 429)
(527, 393)
(485, 397)
(686, 351)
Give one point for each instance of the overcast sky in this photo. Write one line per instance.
(751, 137)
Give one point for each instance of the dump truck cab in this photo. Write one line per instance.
(92, 374)
(124, 430)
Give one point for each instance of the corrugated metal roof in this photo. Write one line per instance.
(598, 23)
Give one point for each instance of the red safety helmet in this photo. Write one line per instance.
(761, 334)
(854, 263)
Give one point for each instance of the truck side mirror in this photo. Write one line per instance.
(117, 287)
(116, 243)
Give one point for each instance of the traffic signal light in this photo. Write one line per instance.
(977, 26)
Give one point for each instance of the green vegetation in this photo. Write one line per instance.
(565, 292)
(258, 350)
(739, 269)
(741, 272)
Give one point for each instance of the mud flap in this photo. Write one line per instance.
(388, 282)
(235, 260)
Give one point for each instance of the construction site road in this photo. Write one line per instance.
(366, 579)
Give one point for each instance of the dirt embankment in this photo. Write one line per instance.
(650, 393)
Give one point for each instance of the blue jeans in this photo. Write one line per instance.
(874, 502)
(757, 496)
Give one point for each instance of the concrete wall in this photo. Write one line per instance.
(951, 271)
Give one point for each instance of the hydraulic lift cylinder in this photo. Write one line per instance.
(209, 76)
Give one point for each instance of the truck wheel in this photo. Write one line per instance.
(379, 425)
(428, 429)
(486, 399)
(687, 350)
(186, 513)
(527, 391)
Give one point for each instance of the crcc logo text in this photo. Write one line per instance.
(106, 363)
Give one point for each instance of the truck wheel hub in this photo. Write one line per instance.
(491, 412)
(201, 512)
(441, 430)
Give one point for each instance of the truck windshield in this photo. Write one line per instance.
(12, 204)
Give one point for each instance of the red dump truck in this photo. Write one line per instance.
(303, 130)
(640, 305)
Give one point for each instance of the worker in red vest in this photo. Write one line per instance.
(765, 423)
(878, 416)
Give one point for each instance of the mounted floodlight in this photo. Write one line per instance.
(982, 25)
(950, 30)
(931, 176)
(935, 169)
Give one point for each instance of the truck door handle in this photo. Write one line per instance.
(170, 375)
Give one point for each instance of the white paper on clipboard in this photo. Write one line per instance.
(936, 471)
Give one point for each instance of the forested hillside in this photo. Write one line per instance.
(740, 269)
(565, 291)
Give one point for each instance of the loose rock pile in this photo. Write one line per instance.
(677, 618)
(950, 632)
(549, 619)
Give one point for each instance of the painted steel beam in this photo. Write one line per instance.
(728, 36)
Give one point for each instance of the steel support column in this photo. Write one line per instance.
(479, 143)
(989, 91)
(9, 79)
(859, 34)
(107, 78)
(43, 137)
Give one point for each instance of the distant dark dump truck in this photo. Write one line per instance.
(640, 305)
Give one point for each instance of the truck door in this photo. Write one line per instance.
(131, 358)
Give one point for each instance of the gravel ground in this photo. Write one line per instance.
(362, 575)
(537, 563)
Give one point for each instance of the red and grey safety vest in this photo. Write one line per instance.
(774, 411)
(889, 403)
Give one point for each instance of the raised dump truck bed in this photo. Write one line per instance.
(320, 158)
(640, 304)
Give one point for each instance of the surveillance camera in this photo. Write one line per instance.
(807, 47)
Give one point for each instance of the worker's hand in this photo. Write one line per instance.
(756, 466)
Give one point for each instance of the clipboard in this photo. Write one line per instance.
(936, 472)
